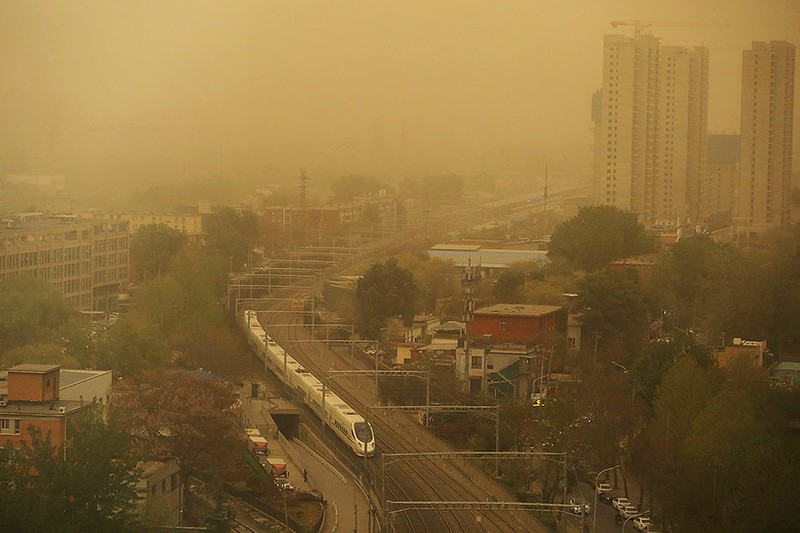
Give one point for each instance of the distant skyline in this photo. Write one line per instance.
(152, 90)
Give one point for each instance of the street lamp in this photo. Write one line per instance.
(596, 481)
(632, 516)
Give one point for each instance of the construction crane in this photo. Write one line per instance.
(640, 25)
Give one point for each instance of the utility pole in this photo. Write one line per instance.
(468, 282)
(545, 188)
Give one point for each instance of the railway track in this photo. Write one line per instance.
(419, 480)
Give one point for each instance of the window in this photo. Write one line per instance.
(173, 482)
(10, 426)
(503, 325)
(477, 361)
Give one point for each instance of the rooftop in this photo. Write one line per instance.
(34, 368)
(518, 310)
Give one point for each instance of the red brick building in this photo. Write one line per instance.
(32, 399)
(516, 323)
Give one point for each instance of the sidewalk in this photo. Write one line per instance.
(348, 509)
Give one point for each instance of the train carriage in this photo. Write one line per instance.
(347, 424)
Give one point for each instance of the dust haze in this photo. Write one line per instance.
(122, 94)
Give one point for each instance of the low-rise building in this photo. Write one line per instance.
(516, 323)
(487, 261)
(30, 397)
(159, 491)
(753, 351)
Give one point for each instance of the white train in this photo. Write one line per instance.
(346, 423)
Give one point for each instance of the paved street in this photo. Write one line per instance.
(347, 509)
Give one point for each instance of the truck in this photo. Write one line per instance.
(276, 467)
(258, 445)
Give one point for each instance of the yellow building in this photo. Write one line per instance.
(87, 260)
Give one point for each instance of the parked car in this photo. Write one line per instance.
(619, 502)
(628, 511)
(579, 507)
(284, 484)
(642, 523)
(602, 487)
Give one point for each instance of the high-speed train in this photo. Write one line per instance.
(346, 423)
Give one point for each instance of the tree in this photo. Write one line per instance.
(30, 310)
(171, 414)
(130, 347)
(690, 274)
(598, 235)
(436, 279)
(37, 352)
(385, 290)
(506, 288)
(231, 234)
(657, 358)
(658, 454)
(152, 248)
(613, 306)
(91, 487)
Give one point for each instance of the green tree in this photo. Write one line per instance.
(37, 352)
(598, 235)
(437, 280)
(131, 346)
(30, 310)
(613, 307)
(386, 290)
(169, 413)
(152, 248)
(90, 487)
(689, 276)
(506, 288)
(231, 234)
(658, 454)
(658, 356)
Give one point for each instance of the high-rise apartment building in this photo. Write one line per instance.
(681, 125)
(651, 130)
(721, 177)
(765, 168)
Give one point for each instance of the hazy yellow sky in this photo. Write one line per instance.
(148, 90)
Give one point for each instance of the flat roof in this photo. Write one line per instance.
(518, 310)
(34, 368)
(49, 408)
(463, 255)
(459, 247)
(71, 377)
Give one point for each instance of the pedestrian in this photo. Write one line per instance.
(305, 475)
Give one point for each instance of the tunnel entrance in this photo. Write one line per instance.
(288, 423)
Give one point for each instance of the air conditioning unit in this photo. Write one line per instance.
(62, 410)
